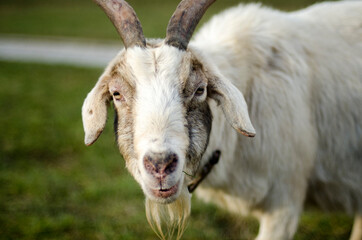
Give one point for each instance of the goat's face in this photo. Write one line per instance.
(162, 117)
(160, 93)
(163, 120)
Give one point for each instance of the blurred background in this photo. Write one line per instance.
(51, 185)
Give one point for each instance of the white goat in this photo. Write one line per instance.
(297, 75)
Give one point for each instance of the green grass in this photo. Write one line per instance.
(53, 187)
(82, 18)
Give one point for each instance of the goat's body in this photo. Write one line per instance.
(301, 75)
(296, 77)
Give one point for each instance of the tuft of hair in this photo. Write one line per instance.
(168, 219)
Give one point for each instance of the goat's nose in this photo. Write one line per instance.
(160, 164)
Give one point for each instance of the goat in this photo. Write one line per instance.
(296, 77)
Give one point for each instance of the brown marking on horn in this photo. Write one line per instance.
(125, 20)
(184, 21)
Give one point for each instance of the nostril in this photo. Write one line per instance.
(147, 162)
(160, 164)
(171, 163)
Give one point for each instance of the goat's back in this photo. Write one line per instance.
(343, 17)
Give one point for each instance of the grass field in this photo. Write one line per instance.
(53, 187)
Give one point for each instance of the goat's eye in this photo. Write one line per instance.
(200, 91)
(117, 96)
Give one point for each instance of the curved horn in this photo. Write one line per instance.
(184, 21)
(125, 20)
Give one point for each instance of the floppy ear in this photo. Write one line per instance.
(94, 110)
(231, 101)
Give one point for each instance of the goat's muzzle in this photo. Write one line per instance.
(161, 168)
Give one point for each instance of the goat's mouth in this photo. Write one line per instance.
(165, 195)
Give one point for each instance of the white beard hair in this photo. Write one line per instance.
(169, 217)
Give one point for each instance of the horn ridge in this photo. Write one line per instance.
(125, 20)
(184, 21)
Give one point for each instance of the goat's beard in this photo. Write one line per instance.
(171, 217)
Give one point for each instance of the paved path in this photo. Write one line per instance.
(58, 50)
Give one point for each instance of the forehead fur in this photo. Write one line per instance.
(163, 63)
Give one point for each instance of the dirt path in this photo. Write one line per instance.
(58, 50)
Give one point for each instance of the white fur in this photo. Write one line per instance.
(301, 74)
(159, 122)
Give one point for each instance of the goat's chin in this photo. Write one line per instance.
(169, 216)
